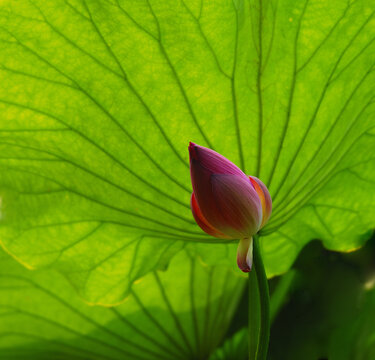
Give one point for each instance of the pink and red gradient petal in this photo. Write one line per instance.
(264, 197)
(226, 203)
(245, 254)
(202, 222)
(214, 162)
(238, 204)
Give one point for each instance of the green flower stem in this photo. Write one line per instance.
(254, 315)
(259, 307)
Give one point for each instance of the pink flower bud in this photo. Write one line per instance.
(225, 202)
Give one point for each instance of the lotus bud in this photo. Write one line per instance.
(226, 203)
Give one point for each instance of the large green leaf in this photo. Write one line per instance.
(181, 313)
(99, 98)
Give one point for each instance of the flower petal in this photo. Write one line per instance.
(202, 222)
(265, 198)
(202, 189)
(245, 254)
(238, 204)
(226, 202)
(213, 161)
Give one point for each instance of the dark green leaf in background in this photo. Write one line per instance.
(99, 98)
(330, 311)
(233, 348)
(356, 339)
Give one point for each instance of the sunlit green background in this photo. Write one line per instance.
(101, 257)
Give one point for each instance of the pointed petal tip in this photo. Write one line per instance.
(245, 255)
(243, 266)
(192, 151)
